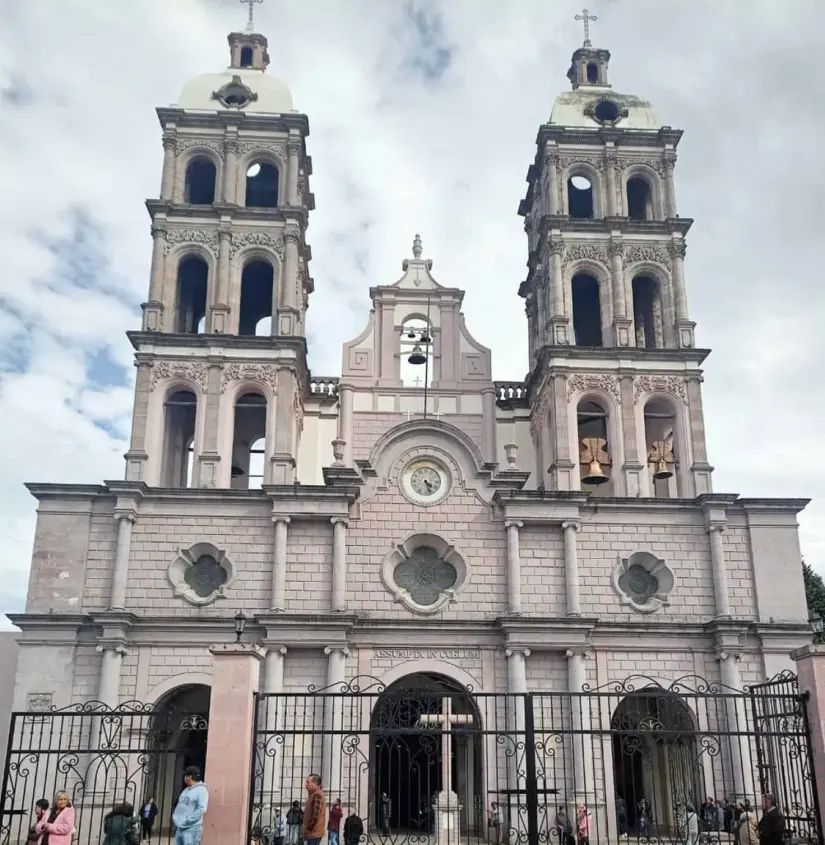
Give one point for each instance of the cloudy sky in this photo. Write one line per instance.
(424, 116)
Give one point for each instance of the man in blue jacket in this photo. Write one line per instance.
(190, 809)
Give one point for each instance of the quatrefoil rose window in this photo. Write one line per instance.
(201, 574)
(424, 573)
(643, 581)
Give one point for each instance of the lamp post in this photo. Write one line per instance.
(240, 625)
(817, 626)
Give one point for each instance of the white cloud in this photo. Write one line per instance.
(395, 153)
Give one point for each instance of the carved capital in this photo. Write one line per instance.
(576, 652)
(517, 652)
(331, 649)
(276, 518)
(126, 514)
(169, 142)
(715, 526)
(570, 524)
(551, 156)
(276, 649)
(292, 236)
(669, 159)
(677, 249)
(294, 146)
(556, 247)
(615, 249)
(611, 159)
(513, 523)
(159, 232)
(231, 148)
(339, 520)
(117, 646)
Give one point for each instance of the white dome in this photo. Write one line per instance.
(273, 95)
(571, 109)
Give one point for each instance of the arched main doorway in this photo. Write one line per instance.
(655, 760)
(182, 725)
(413, 723)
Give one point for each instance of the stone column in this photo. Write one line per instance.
(153, 309)
(235, 675)
(279, 560)
(221, 309)
(699, 479)
(611, 160)
(738, 721)
(271, 707)
(563, 468)
(167, 182)
(339, 564)
(513, 566)
(136, 457)
(333, 720)
(677, 259)
(108, 691)
(345, 420)
(488, 421)
(516, 690)
(125, 519)
(294, 148)
(670, 186)
(230, 170)
(559, 321)
(621, 322)
(209, 459)
(571, 568)
(289, 309)
(810, 668)
(581, 725)
(551, 159)
(282, 455)
(720, 574)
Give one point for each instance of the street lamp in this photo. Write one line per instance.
(817, 626)
(240, 625)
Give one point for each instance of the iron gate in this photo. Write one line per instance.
(634, 759)
(100, 757)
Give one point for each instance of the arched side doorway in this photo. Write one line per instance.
(181, 727)
(657, 768)
(414, 722)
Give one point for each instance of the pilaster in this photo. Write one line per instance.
(125, 517)
(571, 568)
(279, 562)
(339, 564)
(513, 566)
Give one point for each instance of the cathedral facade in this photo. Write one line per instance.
(410, 517)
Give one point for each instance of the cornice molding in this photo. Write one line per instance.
(243, 121)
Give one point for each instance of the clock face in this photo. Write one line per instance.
(425, 482)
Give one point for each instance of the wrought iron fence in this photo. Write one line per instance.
(100, 757)
(686, 763)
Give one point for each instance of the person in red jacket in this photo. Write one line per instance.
(334, 826)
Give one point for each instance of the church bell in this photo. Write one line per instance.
(662, 470)
(417, 356)
(594, 455)
(661, 456)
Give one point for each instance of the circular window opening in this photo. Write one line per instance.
(607, 111)
(580, 183)
(236, 97)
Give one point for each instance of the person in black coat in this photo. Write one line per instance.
(353, 829)
(148, 813)
(771, 826)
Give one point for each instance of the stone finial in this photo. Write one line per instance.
(417, 250)
(511, 453)
(338, 452)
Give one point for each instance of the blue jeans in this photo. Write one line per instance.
(333, 837)
(190, 836)
(313, 841)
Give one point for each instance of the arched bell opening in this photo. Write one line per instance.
(639, 197)
(647, 313)
(262, 185)
(657, 763)
(248, 442)
(580, 197)
(660, 446)
(416, 353)
(414, 723)
(180, 411)
(595, 461)
(201, 178)
(257, 289)
(587, 310)
(192, 286)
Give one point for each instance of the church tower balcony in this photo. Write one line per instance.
(221, 356)
(615, 376)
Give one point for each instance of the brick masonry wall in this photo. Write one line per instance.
(369, 427)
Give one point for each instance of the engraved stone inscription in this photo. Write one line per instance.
(428, 654)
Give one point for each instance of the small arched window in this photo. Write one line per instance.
(201, 176)
(639, 199)
(178, 463)
(587, 312)
(247, 57)
(193, 279)
(580, 201)
(660, 444)
(257, 289)
(262, 186)
(592, 73)
(594, 449)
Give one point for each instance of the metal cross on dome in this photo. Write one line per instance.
(250, 24)
(584, 16)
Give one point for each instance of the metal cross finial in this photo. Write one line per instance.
(584, 16)
(250, 24)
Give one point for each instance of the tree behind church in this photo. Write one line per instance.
(814, 590)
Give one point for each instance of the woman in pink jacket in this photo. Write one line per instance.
(57, 826)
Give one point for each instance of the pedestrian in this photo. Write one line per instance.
(190, 809)
(385, 813)
(495, 821)
(293, 824)
(119, 826)
(746, 830)
(563, 827)
(582, 824)
(315, 812)
(353, 829)
(334, 824)
(771, 827)
(691, 825)
(278, 827)
(148, 813)
(57, 826)
(41, 808)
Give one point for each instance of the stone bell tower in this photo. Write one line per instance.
(221, 356)
(615, 378)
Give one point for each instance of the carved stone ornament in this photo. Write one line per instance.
(569, 161)
(644, 252)
(660, 384)
(201, 574)
(582, 382)
(579, 252)
(274, 242)
(643, 582)
(39, 702)
(235, 94)
(204, 237)
(424, 573)
(184, 144)
(265, 373)
(193, 371)
(261, 147)
(655, 165)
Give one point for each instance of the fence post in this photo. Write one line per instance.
(230, 744)
(810, 669)
(531, 786)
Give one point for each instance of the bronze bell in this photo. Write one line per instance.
(662, 470)
(594, 454)
(417, 356)
(661, 456)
